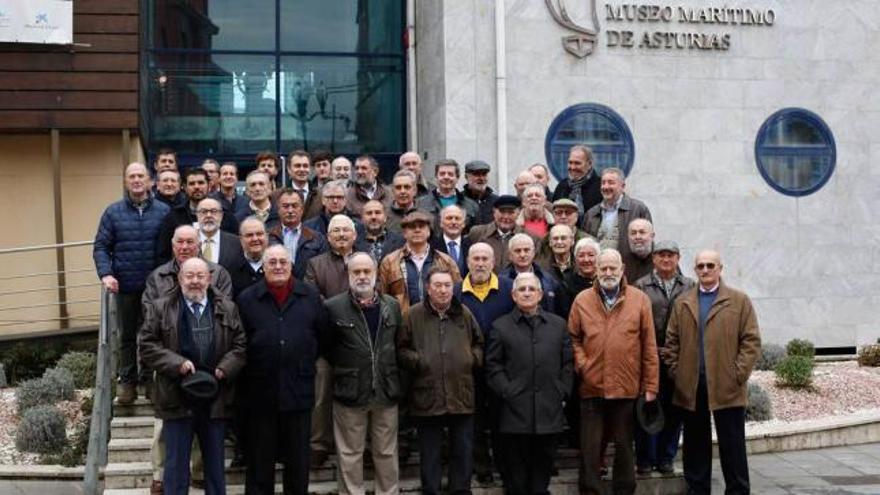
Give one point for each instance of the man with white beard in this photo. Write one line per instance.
(615, 352)
(637, 261)
(361, 341)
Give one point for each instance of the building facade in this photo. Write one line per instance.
(749, 127)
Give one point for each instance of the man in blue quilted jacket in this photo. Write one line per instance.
(124, 254)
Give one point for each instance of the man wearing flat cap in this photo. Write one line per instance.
(476, 173)
(498, 232)
(565, 212)
(193, 328)
(662, 286)
(402, 272)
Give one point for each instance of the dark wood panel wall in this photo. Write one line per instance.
(92, 85)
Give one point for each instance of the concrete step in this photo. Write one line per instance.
(132, 427)
(138, 474)
(121, 450)
(563, 484)
(407, 485)
(140, 407)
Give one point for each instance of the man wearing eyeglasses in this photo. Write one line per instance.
(333, 200)
(712, 342)
(283, 319)
(217, 246)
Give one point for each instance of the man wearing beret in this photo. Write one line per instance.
(194, 328)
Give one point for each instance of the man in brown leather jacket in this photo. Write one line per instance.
(612, 332)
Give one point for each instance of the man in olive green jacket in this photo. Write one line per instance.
(362, 348)
(441, 344)
(712, 342)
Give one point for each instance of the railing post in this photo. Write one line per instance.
(99, 433)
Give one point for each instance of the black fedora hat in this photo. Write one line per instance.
(200, 386)
(649, 415)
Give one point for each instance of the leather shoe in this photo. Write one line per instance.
(319, 457)
(156, 488)
(643, 470)
(198, 484)
(666, 468)
(126, 394)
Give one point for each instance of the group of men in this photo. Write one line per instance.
(333, 312)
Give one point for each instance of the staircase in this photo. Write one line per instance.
(128, 471)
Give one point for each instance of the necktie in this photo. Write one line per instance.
(197, 310)
(453, 250)
(207, 252)
(302, 192)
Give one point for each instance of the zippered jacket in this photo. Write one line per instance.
(364, 370)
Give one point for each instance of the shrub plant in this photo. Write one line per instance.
(60, 381)
(41, 430)
(771, 355)
(800, 347)
(759, 408)
(795, 372)
(869, 355)
(82, 365)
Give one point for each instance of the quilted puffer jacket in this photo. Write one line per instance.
(125, 244)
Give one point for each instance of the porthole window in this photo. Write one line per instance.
(596, 126)
(795, 152)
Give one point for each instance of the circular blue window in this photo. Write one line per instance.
(596, 126)
(795, 152)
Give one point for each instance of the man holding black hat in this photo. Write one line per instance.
(476, 173)
(194, 339)
(498, 232)
(662, 286)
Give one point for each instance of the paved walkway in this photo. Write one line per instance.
(837, 471)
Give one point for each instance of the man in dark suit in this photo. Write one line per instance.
(217, 246)
(248, 270)
(301, 242)
(196, 188)
(283, 319)
(450, 239)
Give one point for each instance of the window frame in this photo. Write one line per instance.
(761, 149)
(582, 108)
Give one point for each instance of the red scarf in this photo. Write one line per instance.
(281, 292)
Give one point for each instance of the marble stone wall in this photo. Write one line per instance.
(811, 265)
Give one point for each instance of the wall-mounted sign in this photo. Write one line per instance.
(36, 21)
(657, 26)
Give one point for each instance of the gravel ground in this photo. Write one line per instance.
(838, 388)
(9, 424)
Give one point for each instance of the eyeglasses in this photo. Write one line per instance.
(705, 266)
(211, 211)
(334, 198)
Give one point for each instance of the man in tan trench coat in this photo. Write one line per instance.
(712, 342)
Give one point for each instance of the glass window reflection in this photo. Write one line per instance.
(212, 103)
(344, 104)
(214, 24)
(597, 126)
(353, 26)
(795, 152)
